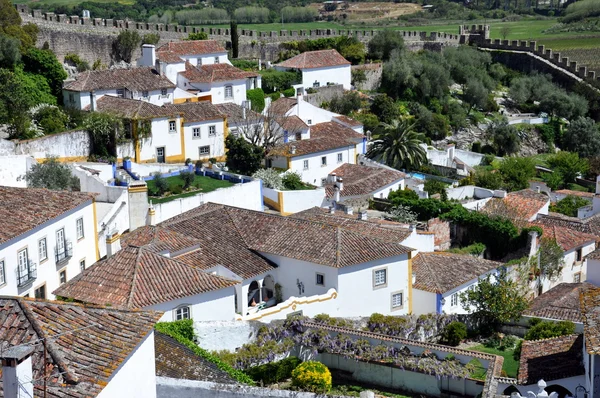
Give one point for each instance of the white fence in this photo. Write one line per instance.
(247, 196)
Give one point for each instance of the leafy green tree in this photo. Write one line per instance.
(160, 183)
(49, 118)
(257, 99)
(10, 25)
(242, 156)
(457, 115)
(583, 137)
(51, 174)
(197, 36)
(292, 181)
(487, 179)
(358, 76)
(516, 172)
(383, 43)
(549, 329)
(151, 38)
(351, 49)
(475, 94)
(346, 103)
(104, 130)
(569, 165)
(385, 108)
(398, 146)
(433, 187)
(569, 205)
(504, 136)
(495, 300)
(188, 178)
(45, 63)
(9, 51)
(403, 214)
(125, 44)
(554, 180)
(551, 262)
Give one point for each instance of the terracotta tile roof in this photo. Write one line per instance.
(525, 203)
(315, 59)
(176, 361)
(292, 124)
(174, 49)
(390, 232)
(347, 121)
(196, 111)
(214, 73)
(567, 239)
(551, 359)
(590, 311)
(135, 79)
(138, 278)
(561, 302)
(590, 225)
(23, 209)
(595, 255)
(323, 137)
(588, 195)
(310, 241)
(440, 272)
(85, 344)
(363, 180)
(282, 105)
(132, 109)
(235, 113)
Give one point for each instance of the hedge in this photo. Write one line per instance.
(183, 332)
(274, 372)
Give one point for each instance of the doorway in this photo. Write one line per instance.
(160, 154)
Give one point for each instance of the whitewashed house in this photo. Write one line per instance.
(320, 68)
(201, 70)
(440, 278)
(144, 84)
(278, 265)
(47, 238)
(523, 205)
(318, 152)
(162, 143)
(87, 351)
(203, 130)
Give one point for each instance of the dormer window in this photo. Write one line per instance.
(120, 93)
(145, 94)
(216, 60)
(164, 92)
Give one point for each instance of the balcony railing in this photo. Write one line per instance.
(64, 253)
(26, 273)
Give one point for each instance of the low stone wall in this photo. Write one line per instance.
(373, 74)
(68, 146)
(324, 94)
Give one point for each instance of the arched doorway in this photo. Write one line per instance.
(560, 390)
(253, 294)
(268, 288)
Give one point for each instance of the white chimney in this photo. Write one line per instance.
(349, 210)
(293, 149)
(113, 243)
(331, 178)
(538, 189)
(499, 193)
(17, 373)
(340, 183)
(362, 215)
(332, 209)
(336, 194)
(148, 55)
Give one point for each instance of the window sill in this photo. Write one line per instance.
(400, 308)
(172, 132)
(80, 239)
(382, 286)
(43, 261)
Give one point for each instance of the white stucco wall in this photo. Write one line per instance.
(295, 201)
(420, 242)
(593, 271)
(316, 172)
(207, 59)
(341, 74)
(247, 196)
(358, 297)
(216, 143)
(217, 89)
(225, 335)
(70, 145)
(423, 302)
(383, 192)
(13, 168)
(217, 305)
(136, 376)
(47, 270)
(155, 96)
(447, 307)
(309, 113)
(162, 137)
(171, 71)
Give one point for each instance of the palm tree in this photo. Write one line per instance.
(398, 146)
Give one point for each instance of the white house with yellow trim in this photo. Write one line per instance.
(47, 238)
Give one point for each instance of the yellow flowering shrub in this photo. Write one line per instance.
(312, 376)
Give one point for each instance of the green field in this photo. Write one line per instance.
(201, 185)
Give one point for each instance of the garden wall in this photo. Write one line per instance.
(168, 388)
(247, 196)
(373, 74)
(288, 202)
(225, 335)
(12, 167)
(396, 378)
(69, 146)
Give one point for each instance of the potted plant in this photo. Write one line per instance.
(127, 163)
(199, 168)
(212, 162)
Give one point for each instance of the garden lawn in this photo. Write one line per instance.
(510, 366)
(202, 185)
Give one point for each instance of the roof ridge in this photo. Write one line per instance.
(134, 279)
(49, 345)
(338, 252)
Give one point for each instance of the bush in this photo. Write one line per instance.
(270, 177)
(188, 178)
(548, 329)
(292, 181)
(454, 333)
(569, 205)
(274, 372)
(257, 99)
(161, 184)
(289, 92)
(434, 186)
(312, 376)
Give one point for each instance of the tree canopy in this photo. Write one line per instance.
(242, 156)
(51, 174)
(398, 146)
